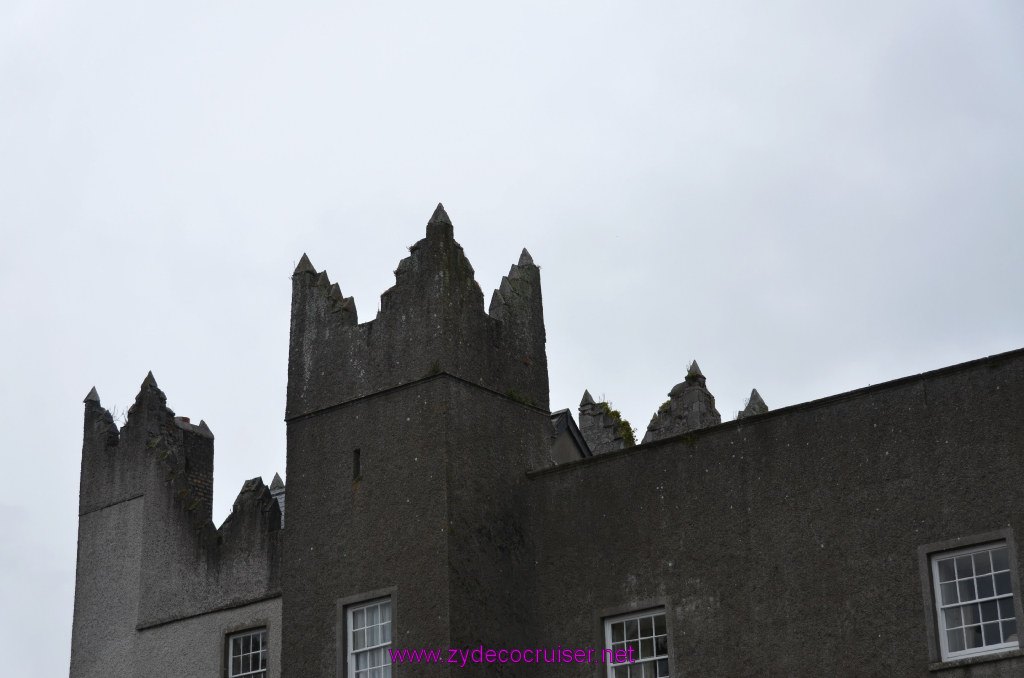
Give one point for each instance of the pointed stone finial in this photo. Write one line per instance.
(204, 429)
(323, 280)
(587, 398)
(93, 397)
(525, 259)
(276, 483)
(755, 405)
(694, 370)
(149, 381)
(440, 216)
(305, 265)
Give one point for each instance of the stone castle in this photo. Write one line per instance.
(435, 501)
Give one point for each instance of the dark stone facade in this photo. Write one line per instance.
(793, 542)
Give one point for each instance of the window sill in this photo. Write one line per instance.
(977, 659)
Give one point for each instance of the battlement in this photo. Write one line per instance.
(431, 321)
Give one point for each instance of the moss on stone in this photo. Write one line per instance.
(622, 426)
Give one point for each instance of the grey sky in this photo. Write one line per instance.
(807, 197)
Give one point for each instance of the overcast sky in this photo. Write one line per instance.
(806, 197)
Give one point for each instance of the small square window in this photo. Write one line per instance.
(247, 654)
(974, 601)
(639, 645)
(368, 638)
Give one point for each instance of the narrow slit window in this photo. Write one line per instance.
(357, 472)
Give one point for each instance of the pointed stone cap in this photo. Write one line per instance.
(93, 397)
(694, 370)
(440, 226)
(276, 483)
(305, 265)
(587, 398)
(525, 259)
(439, 216)
(149, 381)
(755, 405)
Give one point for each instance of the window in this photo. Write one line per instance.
(643, 636)
(369, 638)
(247, 654)
(974, 601)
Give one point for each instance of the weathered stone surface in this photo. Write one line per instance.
(690, 407)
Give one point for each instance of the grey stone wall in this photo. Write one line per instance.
(787, 545)
(196, 646)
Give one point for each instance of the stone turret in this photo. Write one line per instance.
(690, 406)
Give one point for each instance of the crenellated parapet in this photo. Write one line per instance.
(431, 321)
(690, 407)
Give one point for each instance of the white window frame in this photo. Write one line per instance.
(246, 652)
(356, 646)
(948, 577)
(654, 635)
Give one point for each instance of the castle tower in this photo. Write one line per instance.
(150, 561)
(408, 437)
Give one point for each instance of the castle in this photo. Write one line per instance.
(434, 501)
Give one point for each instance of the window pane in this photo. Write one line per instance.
(621, 672)
(371, 615)
(646, 648)
(359, 640)
(662, 668)
(966, 589)
(646, 627)
(371, 636)
(1003, 583)
(953, 618)
(949, 595)
(236, 664)
(618, 632)
(964, 567)
(661, 646)
(973, 636)
(989, 611)
(385, 612)
(982, 565)
(972, 614)
(946, 570)
(955, 640)
(385, 633)
(358, 619)
(659, 625)
(991, 634)
(1009, 631)
(986, 588)
(631, 629)
(1006, 608)
(1000, 559)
